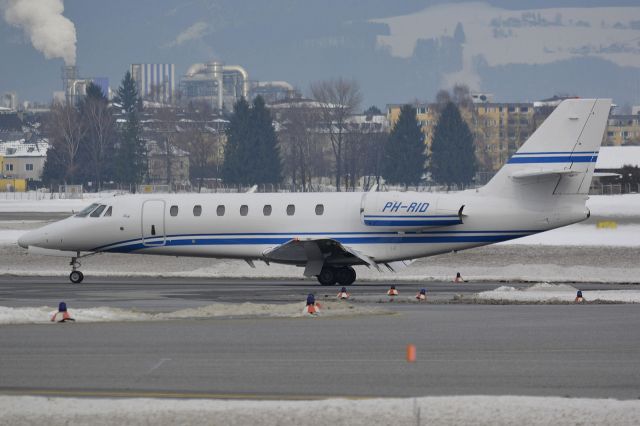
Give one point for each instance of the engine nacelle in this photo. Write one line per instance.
(408, 211)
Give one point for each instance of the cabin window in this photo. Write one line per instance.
(173, 211)
(108, 212)
(291, 210)
(319, 209)
(244, 210)
(97, 212)
(220, 210)
(87, 210)
(197, 210)
(266, 210)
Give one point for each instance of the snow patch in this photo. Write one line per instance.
(42, 314)
(546, 292)
(477, 410)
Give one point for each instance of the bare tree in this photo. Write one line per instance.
(299, 142)
(67, 130)
(101, 132)
(202, 141)
(338, 99)
(166, 131)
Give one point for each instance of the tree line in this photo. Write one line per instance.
(256, 154)
(88, 145)
(305, 142)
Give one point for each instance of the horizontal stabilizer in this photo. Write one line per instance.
(606, 174)
(524, 174)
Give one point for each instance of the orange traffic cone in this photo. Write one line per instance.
(312, 306)
(422, 295)
(392, 291)
(458, 278)
(411, 353)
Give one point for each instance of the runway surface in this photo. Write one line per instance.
(551, 350)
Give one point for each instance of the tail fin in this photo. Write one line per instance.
(560, 156)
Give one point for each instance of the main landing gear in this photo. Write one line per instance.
(75, 276)
(344, 275)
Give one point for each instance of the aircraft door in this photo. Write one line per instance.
(153, 233)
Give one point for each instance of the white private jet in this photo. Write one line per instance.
(543, 186)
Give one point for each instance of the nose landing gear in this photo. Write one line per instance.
(75, 276)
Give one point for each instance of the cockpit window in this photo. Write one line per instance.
(108, 212)
(87, 210)
(97, 212)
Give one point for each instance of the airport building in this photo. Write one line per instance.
(156, 82)
(624, 129)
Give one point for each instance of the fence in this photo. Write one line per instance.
(614, 188)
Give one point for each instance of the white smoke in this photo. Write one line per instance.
(50, 32)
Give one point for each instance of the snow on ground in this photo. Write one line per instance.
(585, 235)
(614, 205)
(42, 314)
(48, 206)
(10, 237)
(545, 292)
(477, 410)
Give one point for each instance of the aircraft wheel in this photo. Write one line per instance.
(76, 277)
(327, 276)
(346, 275)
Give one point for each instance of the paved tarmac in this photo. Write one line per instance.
(553, 350)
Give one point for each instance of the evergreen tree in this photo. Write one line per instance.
(404, 151)
(251, 155)
(265, 153)
(453, 158)
(131, 157)
(235, 169)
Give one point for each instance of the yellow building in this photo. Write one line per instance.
(623, 130)
(13, 185)
(499, 128)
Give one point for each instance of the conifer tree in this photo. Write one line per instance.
(131, 157)
(235, 169)
(266, 153)
(453, 158)
(405, 156)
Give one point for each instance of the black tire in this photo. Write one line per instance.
(76, 277)
(327, 276)
(345, 275)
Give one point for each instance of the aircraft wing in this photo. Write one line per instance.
(314, 253)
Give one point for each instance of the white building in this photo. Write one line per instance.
(23, 160)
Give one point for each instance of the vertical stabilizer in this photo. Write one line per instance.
(560, 156)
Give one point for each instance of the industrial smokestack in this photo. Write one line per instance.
(50, 32)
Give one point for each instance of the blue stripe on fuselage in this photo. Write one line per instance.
(400, 239)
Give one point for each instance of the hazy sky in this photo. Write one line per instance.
(297, 41)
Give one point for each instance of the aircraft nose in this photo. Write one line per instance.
(28, 239)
